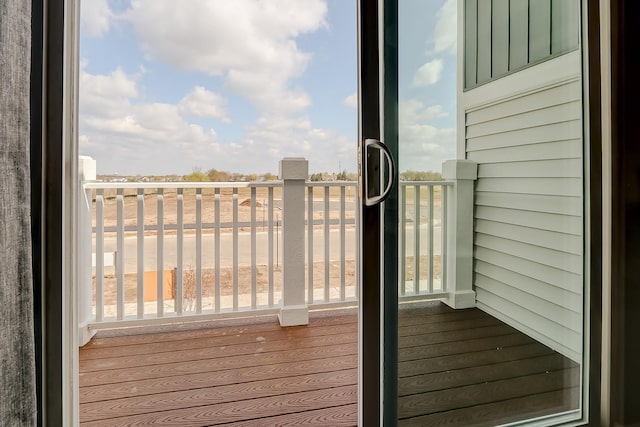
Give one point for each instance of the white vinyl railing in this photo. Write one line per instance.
(422, 238)
(179, 250)
(342, 290)
(168, 265)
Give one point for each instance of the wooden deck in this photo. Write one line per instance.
(456, 367)
(466, 368)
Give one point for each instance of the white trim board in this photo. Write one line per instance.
(554, 72)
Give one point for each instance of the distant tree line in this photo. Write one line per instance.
(420, 176)
(340, 176)
(214, 175)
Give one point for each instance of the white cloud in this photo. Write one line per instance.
(445, 32)
(105, 94)
(273, 137)
(249, 43)
(127, 135)
(423, 146)
(414, 111)
(118, 129)
(428, 74)
(95, 17)
(351, 101)
(203, 103)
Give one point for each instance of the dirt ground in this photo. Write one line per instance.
(244, 205)
(262, 279)
(226, 281)
(208, 205)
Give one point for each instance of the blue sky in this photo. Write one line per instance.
(167, 86)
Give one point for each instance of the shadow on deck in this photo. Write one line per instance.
(456, 368)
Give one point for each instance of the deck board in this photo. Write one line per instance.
(486, 374)
(456, 368)
(298, 332)
(246, 409)
(216, 378)
(500, 412)
(258, 344)
(338, 416)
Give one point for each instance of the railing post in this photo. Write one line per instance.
(86, 172)
(293, 173)
(460, 232)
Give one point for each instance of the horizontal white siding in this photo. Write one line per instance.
(556, 168)
(538, 100)
(529, 212)
(560, 131)
(530, 152)
(559, 242)
(531, 202)
(532, 219)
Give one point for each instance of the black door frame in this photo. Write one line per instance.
(390, 214)
(47, 183)
(625, 214)
(378, 303)
(369, 380)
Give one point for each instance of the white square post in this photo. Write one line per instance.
(293, 173)
(86, 172)
(460, 232)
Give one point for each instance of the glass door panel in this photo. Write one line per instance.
(481, 304)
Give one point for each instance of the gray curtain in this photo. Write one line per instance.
(17, 358)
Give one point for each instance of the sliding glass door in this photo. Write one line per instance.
(473, 164)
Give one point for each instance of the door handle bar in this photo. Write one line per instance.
(374, 200)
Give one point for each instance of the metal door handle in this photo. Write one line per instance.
(370, 200)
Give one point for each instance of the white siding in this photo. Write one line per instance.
(528, 233)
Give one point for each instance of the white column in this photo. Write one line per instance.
(86, 172)
(460, 232)
(293, 173)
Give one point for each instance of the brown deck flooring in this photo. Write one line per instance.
(466, 368)
(456, 368)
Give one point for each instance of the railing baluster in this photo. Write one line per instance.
(254, 285)
(160, 253)
(270, 245)
(402, 244)
(309, 245)
(327, 224)
(218, 295)
(416, 239)
(235, 248)
(443, 236)
(431, 230)
(120, 254)
(199, 250)
(356, 207)
(343, 285)
(99, 255)
(178, 297)
(140, 255)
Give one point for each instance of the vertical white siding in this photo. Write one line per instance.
(529, 211)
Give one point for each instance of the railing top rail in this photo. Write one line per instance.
(92, 185)
(153, 185)
(331, 183)
(402, 183)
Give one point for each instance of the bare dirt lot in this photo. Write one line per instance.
(226, 204)
(226, 281)
(262, 279)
